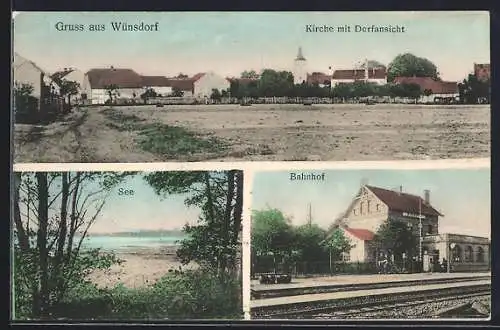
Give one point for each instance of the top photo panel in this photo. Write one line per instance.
(137, 87)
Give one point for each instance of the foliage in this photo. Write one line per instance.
(251, 74)
(271, 233)
(52, 215)
(473, 91)
(307, 242)
(409, 65)
(112, 91)
(148, 93)
(214, 241)
(67, 89)
(395, 238)
(182, 76)
(216, 95)
(24, 101)
(337, 244)
(177, 92)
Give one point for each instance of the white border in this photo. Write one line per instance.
(260, 166)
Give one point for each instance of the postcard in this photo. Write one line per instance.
(127, 246)
(140, 87)
(391, 244)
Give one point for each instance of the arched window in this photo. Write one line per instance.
(368, 207)
(457, 254)
(361, 208)
(480, 254)
(468, 254)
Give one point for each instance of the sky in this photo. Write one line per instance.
(231, 42)
(461, 195)
(145, 210)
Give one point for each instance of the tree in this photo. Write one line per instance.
(148, 93)
(52, 215)
(67, 89)
(112, 91)
(343, 91)
(214, 241)
(409, 65)
(216, 95)
(275, 83)
(337, 244)
(394, 237)
(24, 101)
(412, 91)
(251, 74)
(182, 76)
(372, 64)
(307, 242)
(177, 92)
(472, 90)
(271, 234)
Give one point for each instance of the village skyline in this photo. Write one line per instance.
(244, 41)
(461, 195)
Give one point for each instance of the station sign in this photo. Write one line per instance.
(413, 215)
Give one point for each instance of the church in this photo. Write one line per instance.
(372, 206)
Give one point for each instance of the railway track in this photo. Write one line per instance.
(285, 292)
(350, 307)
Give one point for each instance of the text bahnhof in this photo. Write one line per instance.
(356, 28)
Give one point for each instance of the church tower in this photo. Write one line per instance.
(300, 70)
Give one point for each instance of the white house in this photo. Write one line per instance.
(374, 75)
(72, 74)
(27, 72)
(205, 83)
(128, 82)
(160, 84)
(433, 89)
(360, 240)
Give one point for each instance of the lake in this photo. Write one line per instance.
(116, 243)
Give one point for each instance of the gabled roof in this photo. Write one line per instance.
(359, 74)
(155, 81)
(359, 233)
(403, 202)
(123, 78)
(19, 60)
(61, 74)
(318, 78)
(197, 76)
(182, 84)
(428, 83)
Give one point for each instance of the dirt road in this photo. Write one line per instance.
(259, 132)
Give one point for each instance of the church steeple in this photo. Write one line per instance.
(300, 57)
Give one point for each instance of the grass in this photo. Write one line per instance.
(165, 140)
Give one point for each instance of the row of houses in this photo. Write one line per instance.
(94, 85)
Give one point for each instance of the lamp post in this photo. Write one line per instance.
(451, 247)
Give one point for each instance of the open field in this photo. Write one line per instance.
(259, 133)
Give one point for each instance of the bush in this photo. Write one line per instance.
(194, 294)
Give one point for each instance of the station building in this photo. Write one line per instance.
(372, 206)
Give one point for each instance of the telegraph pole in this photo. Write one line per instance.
(420, 232)
(309, 217)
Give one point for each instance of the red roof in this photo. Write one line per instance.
(359, 74)
(123, 78)
(362, 234)
(403, 202)
(197, 76)
(427, 83)
(186, 85)
(155, 81)
(318, 78)
(482, 71)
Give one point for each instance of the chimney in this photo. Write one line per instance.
(427, 197)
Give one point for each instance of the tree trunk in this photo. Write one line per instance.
(22, 236)
(61, 240)
(43, 221)
(226, 240)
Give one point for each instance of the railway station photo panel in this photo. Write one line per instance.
(371, 244)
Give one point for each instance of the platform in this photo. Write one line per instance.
(298, 283)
